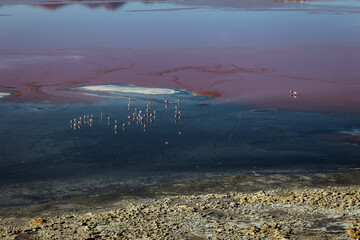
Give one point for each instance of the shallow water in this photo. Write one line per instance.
(233, 64)
(42, 153)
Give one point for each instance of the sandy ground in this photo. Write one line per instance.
(279, 206)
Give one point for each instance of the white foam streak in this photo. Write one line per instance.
(354, 132)
(4, 94)
(128, 89)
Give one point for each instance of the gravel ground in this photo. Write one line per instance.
(318, 206)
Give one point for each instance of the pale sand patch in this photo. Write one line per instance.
(128, 89)
(4, 94)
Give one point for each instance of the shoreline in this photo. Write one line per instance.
(280, 206)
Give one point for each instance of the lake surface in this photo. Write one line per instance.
(264, 86)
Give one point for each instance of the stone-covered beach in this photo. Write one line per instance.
(276, 206)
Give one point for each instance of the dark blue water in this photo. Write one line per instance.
(37, 142)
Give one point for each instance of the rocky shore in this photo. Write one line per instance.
(291, 207)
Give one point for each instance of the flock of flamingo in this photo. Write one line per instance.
(143, 118)
(140, 117)
(293, 94)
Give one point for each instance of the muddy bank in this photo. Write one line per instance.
(316, 206)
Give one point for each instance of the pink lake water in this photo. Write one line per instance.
(246, 52)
